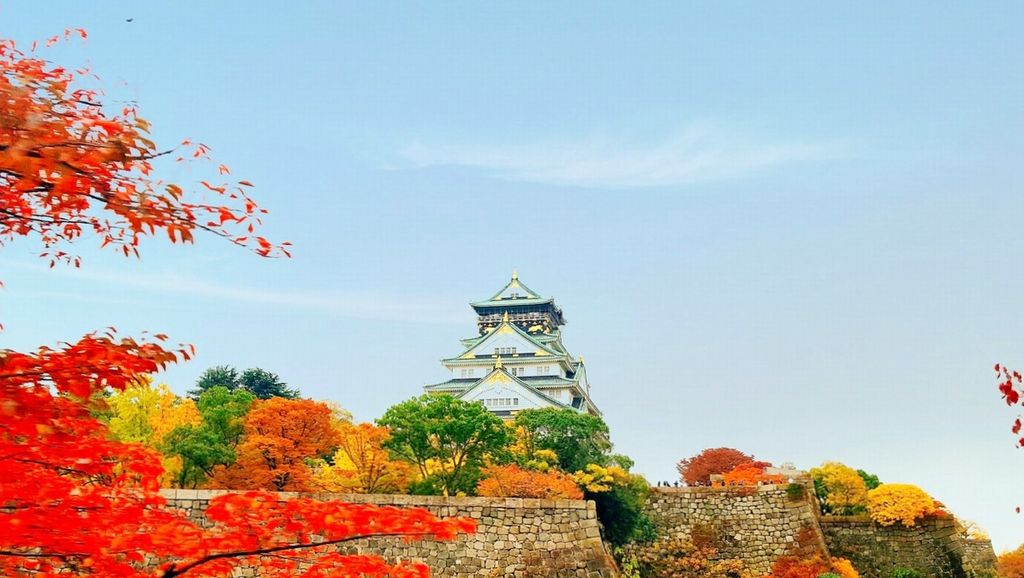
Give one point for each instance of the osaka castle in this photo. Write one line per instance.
(517, 360)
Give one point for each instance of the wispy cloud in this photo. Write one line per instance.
(702, 152)
(351, 304)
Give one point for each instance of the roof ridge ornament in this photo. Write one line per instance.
(504, 318)
(498, 363)
(515, 274)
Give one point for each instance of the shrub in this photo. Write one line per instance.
(796, 567)
(844, 568)
(513, 482)
(891, 504)
(795, 491)
(678, 558)
(905, 573)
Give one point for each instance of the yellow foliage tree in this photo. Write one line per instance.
(597, 478)
(891, 504)
(361, 464)
(145, 414)
(840, 487)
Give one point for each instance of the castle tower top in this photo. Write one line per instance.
(517, 360)
(516, 302)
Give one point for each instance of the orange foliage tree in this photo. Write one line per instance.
(73, 499)
(280, 436)
(697, 470)
(514, 482)
(750, 474)
(361, 464)
(1011, 564)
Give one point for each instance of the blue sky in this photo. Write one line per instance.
(791, 229)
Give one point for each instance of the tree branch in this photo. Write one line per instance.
(174, 570)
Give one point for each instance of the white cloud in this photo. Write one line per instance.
(352, 304)
(702, 152)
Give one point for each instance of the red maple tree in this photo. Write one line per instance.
(71, 499)
(697, 470)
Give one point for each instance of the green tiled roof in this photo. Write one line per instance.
(504, 303)
(527, 296)
(547, 380)
(453, 384)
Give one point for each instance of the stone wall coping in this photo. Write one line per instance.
(864, 520)
(727, 490)
(401, 499)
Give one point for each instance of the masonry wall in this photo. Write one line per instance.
(931, 547)
(754, 525)
(759, 525)
(979, 557)
(516, 537)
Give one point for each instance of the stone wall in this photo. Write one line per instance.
(979, 557)
(931, 547)
(516, 537)
(754, 525)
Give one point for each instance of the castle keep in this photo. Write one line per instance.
(517, 360)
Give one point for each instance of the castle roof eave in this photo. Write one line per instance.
(505, 303)
(520, 331)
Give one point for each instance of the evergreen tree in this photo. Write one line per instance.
(265, 385)
(261, 383)
(222, 375)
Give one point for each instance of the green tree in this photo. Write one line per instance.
(446, 439)
(200, 451)
(578, 438)
(870, 480)
(621, 511)
(222, 375)
(265, 385)
(211, 443)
